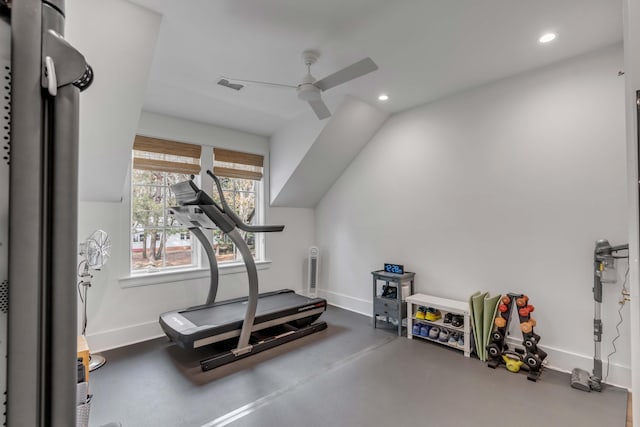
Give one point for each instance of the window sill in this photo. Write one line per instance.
(156, 278)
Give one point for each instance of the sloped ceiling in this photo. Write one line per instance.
(338, 143)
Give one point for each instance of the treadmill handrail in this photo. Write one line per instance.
(235, 218)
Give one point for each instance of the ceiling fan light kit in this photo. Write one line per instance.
(309, 89)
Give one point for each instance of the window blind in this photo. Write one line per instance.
(166, 156)
(234, 164)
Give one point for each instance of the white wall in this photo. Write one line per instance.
(288, 146)
(501, 188)
(109, 110)
(119, 315)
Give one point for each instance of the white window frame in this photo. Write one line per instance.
(176, 274)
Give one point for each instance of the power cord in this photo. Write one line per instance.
(624, 293)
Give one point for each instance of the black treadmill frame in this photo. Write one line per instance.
(200, 338)
(198, 210)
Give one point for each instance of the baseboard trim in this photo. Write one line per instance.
(121, 337)
(357, 305)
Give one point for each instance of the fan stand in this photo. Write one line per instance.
(95, 360)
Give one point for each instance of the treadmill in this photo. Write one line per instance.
(240, 327)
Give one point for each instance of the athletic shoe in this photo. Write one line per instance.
(457, 321)
(416, 329)
(444, 335)
(461, 341)
(424, 330)
(453, 339)
(433, 314)
(421, 313)
(447, 317)
(434, 333)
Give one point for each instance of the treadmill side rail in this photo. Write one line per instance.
(229, 356)
(241, 351)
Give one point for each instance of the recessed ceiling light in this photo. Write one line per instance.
(383, 97)
(548, 37)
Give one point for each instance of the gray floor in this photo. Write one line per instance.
(348, 375)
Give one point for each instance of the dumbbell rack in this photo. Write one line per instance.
(533, 355)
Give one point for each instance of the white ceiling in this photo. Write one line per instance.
(425, 49)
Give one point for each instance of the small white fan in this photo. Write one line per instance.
(95, 251)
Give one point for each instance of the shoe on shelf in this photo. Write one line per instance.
(447, 317)
(416, 329)
(444, 335)
(421, 312)
(390, 292)
(461, 341)
(424, 330)
(434, 332)
(457, 320)
(433, 314)
(453, 339)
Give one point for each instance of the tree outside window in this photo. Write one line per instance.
(157, 240)
(241, 195)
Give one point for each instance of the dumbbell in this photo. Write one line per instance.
(522, 301)
(496, 336)
(494, 350)
(534, 360)
(500, 322)
(505, 300)
(526, 327)
(502, 308)
(526, 310)
(530, 344)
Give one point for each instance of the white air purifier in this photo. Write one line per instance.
(312, 271)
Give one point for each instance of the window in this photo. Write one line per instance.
(157, 240)
(241, 176)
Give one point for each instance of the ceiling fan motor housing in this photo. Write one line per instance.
(308, 92)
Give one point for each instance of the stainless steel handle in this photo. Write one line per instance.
(52, 82)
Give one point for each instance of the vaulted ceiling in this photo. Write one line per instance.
(425, 49)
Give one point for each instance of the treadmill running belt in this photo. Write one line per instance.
(229, 313)
(202, 325)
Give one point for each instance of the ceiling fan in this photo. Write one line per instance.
(310, 89)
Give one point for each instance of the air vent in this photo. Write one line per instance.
(234, 86)
(5, 113)
(4, 296)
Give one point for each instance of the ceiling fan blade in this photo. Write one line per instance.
(351, 72)
(258, 82)
(320, 108)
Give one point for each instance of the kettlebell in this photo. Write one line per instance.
(513, 365)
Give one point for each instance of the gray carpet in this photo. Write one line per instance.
(348, 375)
